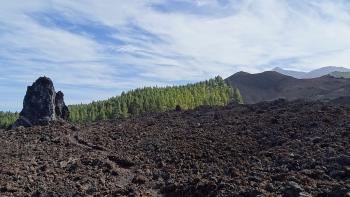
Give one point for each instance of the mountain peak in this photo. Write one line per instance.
(241, 73)
(312, 74)
(277, 69)
(292, 73)
(272, 85)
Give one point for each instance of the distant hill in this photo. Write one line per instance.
(272, 85)
(312, 74)
(340, 74)
(324, 71)
(292, 73)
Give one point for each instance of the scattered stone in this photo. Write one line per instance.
(316, 140)
(63, 164)
(292, 189)
(304, 194)
(343, 160)
(250, 193)
(74, 128)
(178, 108)
(337, 192)
(270, 187)
(274, 120)
(139, 179)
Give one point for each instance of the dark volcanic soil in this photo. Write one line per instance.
(268, 149)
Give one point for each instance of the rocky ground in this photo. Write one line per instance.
(268, 149)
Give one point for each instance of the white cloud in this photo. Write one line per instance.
(257, 33)
(252, 35)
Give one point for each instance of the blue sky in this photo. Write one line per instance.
(96, 49)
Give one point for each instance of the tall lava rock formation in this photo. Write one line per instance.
(42, 105)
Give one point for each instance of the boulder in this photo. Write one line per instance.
(42, 105)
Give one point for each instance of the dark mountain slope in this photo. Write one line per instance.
(260, 87)
(268, 149)
(271, 85)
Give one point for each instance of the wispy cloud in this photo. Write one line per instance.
(95, 49)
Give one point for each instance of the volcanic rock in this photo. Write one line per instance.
(42, 105)
(292, 189)
(60, 107)
(178, 108)
(139, 179)
(240, 153)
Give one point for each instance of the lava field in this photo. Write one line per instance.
(275, 148)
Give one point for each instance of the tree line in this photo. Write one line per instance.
(150, 99)
(7, 119)
(157, 99)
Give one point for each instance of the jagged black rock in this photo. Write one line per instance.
(42, 105)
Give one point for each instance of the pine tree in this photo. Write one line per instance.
(7, 119)
(124, 110)
(237, 96)
(154, 99)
